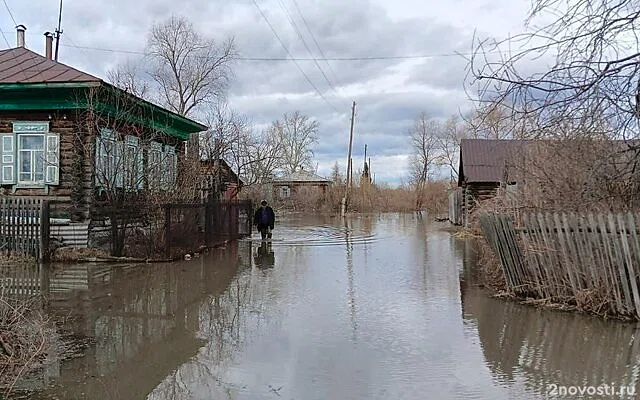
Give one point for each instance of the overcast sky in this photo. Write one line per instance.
(389, 93)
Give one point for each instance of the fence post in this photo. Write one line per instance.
(44, 231)
(167, 231)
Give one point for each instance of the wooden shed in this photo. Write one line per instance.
(485, 165)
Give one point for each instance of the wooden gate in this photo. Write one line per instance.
(24, 226)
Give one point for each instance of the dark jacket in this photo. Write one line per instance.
(271, 218)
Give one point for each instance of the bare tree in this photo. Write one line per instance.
(130, 76)
(424, 145)
(266, 154)
(295, 134)
(448, 138)
(592, 48)
(190, 70)
(336, 175)
(588, 90)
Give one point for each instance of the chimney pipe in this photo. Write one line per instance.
(20, 31)
(48, 45)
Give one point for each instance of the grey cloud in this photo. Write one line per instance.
(263, 90)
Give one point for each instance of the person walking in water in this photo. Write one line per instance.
(264, 218)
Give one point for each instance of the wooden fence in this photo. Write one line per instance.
(592, 260)
(188, 226)
(24, 227)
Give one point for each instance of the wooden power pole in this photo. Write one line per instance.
(58, 31)
(345, 199)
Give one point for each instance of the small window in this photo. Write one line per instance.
(285, 192)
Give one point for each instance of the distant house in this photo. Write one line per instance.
(71, 137)
(229, 184)
(300, 185)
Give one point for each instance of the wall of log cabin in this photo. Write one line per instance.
(74, 195)
(76, 163)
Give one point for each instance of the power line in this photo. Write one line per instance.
(13, 19)
(290, 55)
(22, 70)
(363, 58)
(304, 42)
(304, 20)
(6, 40)
(10, 13)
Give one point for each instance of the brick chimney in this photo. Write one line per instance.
(48, 45)
(20, 29)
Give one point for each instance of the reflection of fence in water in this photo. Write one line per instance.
(142, 320)
(546, 347)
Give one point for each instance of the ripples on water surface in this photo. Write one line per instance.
(381, 307)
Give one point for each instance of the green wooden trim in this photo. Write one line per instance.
(73, 96)
(51, 85)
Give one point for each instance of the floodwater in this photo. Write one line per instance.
(379, 307)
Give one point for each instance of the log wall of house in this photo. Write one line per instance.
(76, 163)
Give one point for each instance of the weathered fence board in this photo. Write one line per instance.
(570, 257)
(24, 226)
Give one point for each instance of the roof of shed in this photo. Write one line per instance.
(21, 65)
(486, 160)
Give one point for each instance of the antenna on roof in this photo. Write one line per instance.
(58, 31)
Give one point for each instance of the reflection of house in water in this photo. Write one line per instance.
(543, 347)
(135, 324)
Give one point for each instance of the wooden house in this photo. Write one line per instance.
(217, 175)
(300, 185)
(72, 138)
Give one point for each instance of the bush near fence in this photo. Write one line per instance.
(590, 261)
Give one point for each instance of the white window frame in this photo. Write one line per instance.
(285, 192)
(13, 154)
(106, 159)
(33, 156)
(7, 159)
(154, 165)
(170, 163)
(133, 163)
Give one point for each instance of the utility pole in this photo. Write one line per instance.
(58, 31)
(345, 199)
(365, 155)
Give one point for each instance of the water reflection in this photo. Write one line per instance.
(539, 347)
(124, 328)
(264, 256)
(372, 307)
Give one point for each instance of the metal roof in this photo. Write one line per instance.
(301, 176)
(492, 160)
(22, 70)
(21, 65)
(486, 160)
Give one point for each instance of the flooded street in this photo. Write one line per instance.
(375, 308)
